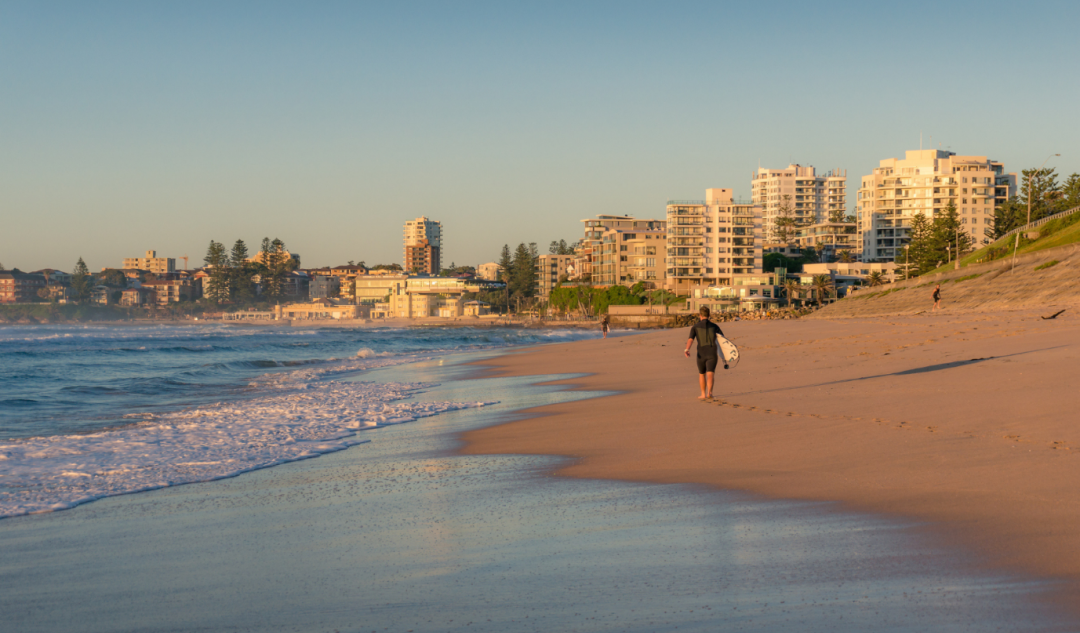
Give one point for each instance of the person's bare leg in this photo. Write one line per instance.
(701, 381)
(709, 376)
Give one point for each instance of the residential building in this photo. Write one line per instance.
(171, 290)
(799, 193)
(54, 276)
(130, 297)
(489, 271)
(423, 246)
(19, 287)
(587, 261)
(858, 270)
(629, 256)
(152, 263)
(829, 239)
(711, 241)
(370, 290)
(926, 181)
(549, 270)
(325, 287)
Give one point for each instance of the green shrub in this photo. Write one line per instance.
(1047, 264)
(966, 277)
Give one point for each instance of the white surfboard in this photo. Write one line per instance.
(728, 351)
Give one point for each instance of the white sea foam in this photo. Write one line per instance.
(202, 444)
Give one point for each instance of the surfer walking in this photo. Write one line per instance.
(937, 297)
(605, 325)
(708, 351)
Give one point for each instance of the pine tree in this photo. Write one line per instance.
(506, 264)
(81, 283)
(920, 236)
(949, 237)
(523, 275)
(217, 261)
(784, 224)
(240, 284)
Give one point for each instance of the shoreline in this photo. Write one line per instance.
(958, 421)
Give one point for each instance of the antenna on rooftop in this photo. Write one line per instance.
(185, 258)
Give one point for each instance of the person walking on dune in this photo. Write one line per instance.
(937, 297)
(604, 325)
(708, 351)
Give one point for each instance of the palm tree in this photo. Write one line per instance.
(845, 257)
(791, 288)
(824, 285)
(875, 278)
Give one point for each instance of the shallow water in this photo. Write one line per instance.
(402, 535)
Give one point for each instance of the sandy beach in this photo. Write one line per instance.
(964, 422)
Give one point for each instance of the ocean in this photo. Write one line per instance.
(93, 411)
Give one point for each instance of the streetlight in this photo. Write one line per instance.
(1016, 244)
(907, 260)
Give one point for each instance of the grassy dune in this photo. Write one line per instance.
(1044, 277)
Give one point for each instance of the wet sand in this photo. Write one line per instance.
(404, 534)
(965, 422)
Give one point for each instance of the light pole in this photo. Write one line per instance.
(907, 260)
(1016, 244)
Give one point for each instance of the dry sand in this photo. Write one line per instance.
(968, 422)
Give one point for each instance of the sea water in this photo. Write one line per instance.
(94, 411)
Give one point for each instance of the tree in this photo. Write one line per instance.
(791, 289)
(837, 215)
(523, 273)
(217, 261)
(772, 261)
(949, 237)
(845, 257)
(784, 224)
(506, 264)
(44, 293)
(875, 278)
(241, 271)
(560, 248)
(921, 252)
(82, 284)
(275, 267)
(823, 284)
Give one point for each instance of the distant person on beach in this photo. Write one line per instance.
(604, 325)
(708, 351)
(937, 297)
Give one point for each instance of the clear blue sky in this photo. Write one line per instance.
(126, 126)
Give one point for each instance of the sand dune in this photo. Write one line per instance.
(965, 421)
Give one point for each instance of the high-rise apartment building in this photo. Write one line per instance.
(801, 194)
(151, 262)
(710, 241)
(925, 181)
(604, 260)
(423, 246)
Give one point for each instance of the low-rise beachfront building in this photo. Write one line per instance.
(745, 292)
(172, 290)
(320, 309)
(477, 308)
(134, 297)
(800, 194)
(926, 182)
(711, 241)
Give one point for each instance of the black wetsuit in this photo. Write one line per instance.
(937, 295)
(708, 351)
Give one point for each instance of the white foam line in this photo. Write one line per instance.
(222, 440)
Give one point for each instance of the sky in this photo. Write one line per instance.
(129, 126)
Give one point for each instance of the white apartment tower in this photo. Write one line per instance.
(710, 241)
(810, 198)
(925, 181)
(423, 246)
